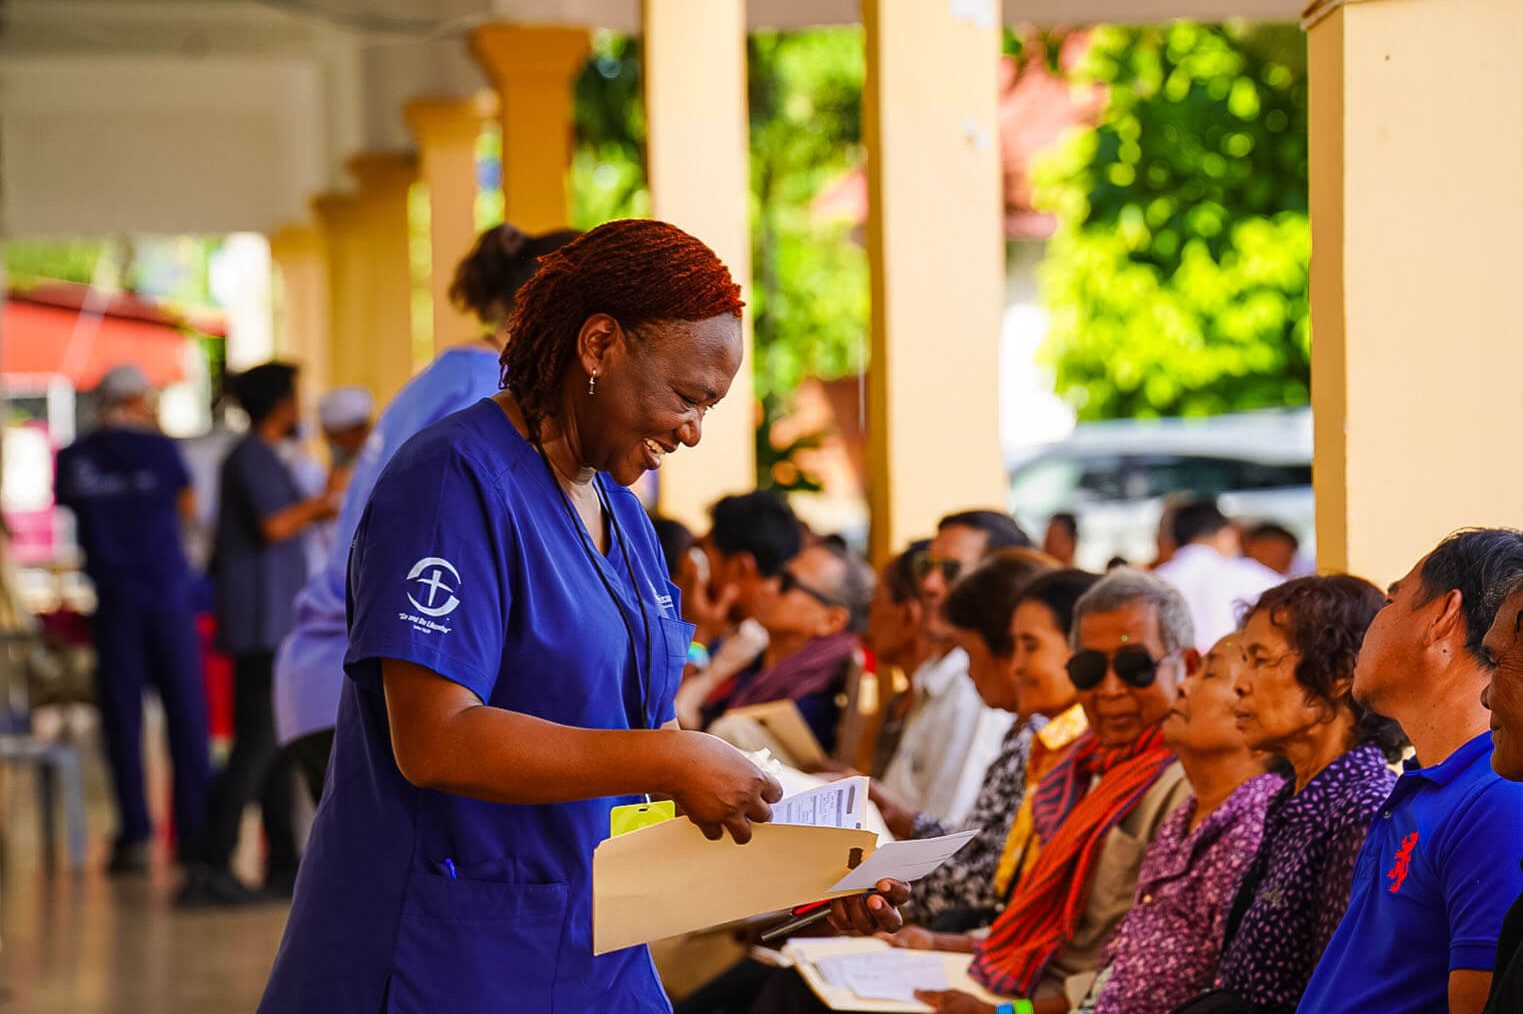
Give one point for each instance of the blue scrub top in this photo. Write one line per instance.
(309, 668)
(123, 486)
(468, 562)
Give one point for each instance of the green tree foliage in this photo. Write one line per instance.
(1177, 280)
(810, 286)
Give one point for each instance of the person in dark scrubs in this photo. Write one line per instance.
(259, 564)
(129, 490)
(515, 644)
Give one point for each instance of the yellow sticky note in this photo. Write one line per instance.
(624, 819)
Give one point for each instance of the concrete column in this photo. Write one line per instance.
(1417, 343)
(446, 131)
(302, 317)
(698, 162)
(937, 263)
(533, 68)
(340, 228)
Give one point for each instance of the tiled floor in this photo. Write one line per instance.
(82, 943)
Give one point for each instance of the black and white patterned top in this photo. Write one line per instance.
(960, 894)
(1294, 895)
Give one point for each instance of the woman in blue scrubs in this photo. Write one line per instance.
(514, 648)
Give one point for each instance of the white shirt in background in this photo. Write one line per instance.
(950, 739)
(1216, 588)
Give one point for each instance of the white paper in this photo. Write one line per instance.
(884, 975)
(834, 804)
(903, 860)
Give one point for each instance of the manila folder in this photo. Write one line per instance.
(668, 878)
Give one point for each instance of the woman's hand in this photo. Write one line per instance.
(718, 789)
(869, 914)
(911, 938)
(950, 1001)
(898, 818)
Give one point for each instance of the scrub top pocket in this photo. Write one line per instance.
(469, 945)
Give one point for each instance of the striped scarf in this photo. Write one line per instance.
(1072, 820)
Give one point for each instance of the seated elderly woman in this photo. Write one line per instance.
(1166, 948)
(1295, 701)
(810, 620)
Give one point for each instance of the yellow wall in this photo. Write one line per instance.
(1417, 341)
(697, 158)
(937, 253)
(302, 321)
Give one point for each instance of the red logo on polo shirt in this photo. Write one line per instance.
(1398, 873)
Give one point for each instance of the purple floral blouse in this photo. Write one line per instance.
(1165, 949)
(1311, 840)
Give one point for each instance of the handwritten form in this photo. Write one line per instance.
(886, 975)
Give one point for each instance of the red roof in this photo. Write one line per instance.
(70, 331)
(1036, 108)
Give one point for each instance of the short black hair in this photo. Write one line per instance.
(1060, 591)
(259, 390)
(1273, 530)
(984, 601)
(1001, 529)
(899, 575)
(675, 541)
(1067, 521)
(1198, 519)
(759, 523)
(1484, 565)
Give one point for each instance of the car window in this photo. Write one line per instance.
(1044, 487)
(1165, 474)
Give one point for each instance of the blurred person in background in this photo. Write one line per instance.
(343, 415)
(1061, 542)
(1441, 863)
(751, 536)
(1301, 644)
(1278, 548)
(259, 565)
(130, 492)
(813, 616)
(309, 668)
(1210, 572)
(950, 735)
(346, 417)
(896, 638)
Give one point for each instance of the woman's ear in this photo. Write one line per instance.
(595, 341)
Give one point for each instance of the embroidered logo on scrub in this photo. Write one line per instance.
(439, 579)
(1398, 873)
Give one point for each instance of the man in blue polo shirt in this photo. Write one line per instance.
(1441, 862)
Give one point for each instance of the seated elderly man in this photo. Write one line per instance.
(1095, 812)
(1503, 697)
(812, 617)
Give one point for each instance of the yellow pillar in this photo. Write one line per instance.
(370, 275)
(1416, 342)
(533, 68)
(697, 160)
(302, 319)
(937, 264)
(446, 131)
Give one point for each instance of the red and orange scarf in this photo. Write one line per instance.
(1072, 820)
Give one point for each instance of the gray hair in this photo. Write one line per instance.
(1125, 586)
(853, 586)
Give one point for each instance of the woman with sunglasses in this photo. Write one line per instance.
(1295, 702)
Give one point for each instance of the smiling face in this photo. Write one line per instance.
(1040, 661)
(654, 385)
(1119, 712)
(1201, 721)
(1504, 694)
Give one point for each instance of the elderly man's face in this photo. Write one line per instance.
(1118, 712)
(1504, 694)
(806, 599)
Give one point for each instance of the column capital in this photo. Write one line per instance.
(332, 206)
(512, 53)
(296, 237)
(442, 119)
(383, 170)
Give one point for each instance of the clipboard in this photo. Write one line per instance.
(784, 723)
(804, 952)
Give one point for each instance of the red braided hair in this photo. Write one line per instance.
(634, 270)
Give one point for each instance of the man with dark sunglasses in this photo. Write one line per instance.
(950, 736)
(812, 616)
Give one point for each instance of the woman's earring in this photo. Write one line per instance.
(592, 383)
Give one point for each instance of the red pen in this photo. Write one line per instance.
(802, 917)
